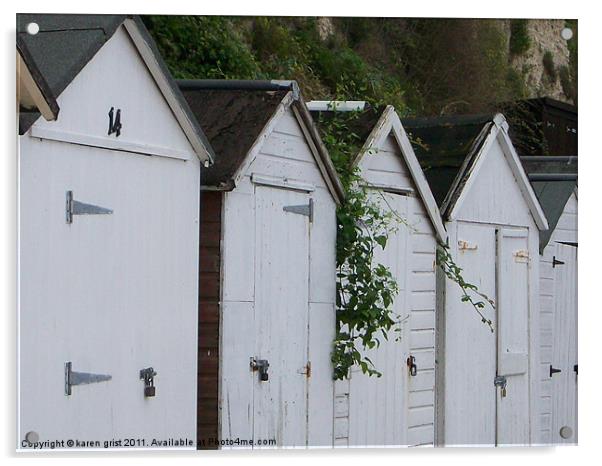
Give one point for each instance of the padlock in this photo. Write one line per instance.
(148, 375)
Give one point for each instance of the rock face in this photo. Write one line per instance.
(547, 59)
(325, 27)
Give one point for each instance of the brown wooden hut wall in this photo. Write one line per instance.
(209, 305)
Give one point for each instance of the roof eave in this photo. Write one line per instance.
(324, 162)
(388, 122)
(172, 94)
(35, 83)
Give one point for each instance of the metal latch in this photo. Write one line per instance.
(73, 207)
(260, 365)
(521, 256)
(500, 381)
(148, 375)
(411, 362)
(81, 378)
(465, 246)
(306, 209)
(305, 370)
(556, 262)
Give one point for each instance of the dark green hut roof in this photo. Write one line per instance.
(445, 147)
(552, 195)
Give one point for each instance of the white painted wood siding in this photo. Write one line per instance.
(566, 230)
(385, 166)
(117, 77)
(285, 154)
(111, 293)
(493, 200)
(115, 293)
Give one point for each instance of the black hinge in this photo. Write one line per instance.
(556, 262)
(576, 369)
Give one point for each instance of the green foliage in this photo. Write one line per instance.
(519, 36)
(202, 47)
(365, 289)
(470, 292)
(455, 65)
(549, 66)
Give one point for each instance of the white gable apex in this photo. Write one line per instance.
(117, 77)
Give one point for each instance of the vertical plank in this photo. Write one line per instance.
(281, 317)
(470, 359)
(513, 414)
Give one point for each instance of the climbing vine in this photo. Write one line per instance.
(469, 291)
(365, 289)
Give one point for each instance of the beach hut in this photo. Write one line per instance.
(545, 131)
(398, 407)
(557, 194)
(267, 268)
(487, 379)
(108, 238)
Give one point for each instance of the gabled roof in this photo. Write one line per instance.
(33, 90)
(232, 120)
(443, 145)
(552, 195)
(372, 126)
(389, 123)
(449, 150)
(237, 116)
(65, 43)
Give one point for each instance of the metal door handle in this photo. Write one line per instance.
(554, 370)
(260, 365)
(411, 362)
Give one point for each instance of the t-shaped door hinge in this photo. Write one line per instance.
(306, 209)
(73, 207)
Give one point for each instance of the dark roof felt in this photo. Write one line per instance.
(67, 42)
(552, 195)
(37, 76)
(360, 122)
(64, 45)
(232, 120)
(445, 148)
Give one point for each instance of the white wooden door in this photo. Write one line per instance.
(378, 405)
(110, 293)
(281, 316)
(513, 336)
(470, 352)
(564, 351)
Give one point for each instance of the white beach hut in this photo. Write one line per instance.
(398, 407)
(108, 238)
(487, 381)
(267, 269)
(554, 182)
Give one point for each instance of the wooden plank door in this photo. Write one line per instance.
(378, 405)
(513, 336)
(564, 351)
(470, 358)
(110, 293)
(281, 316)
